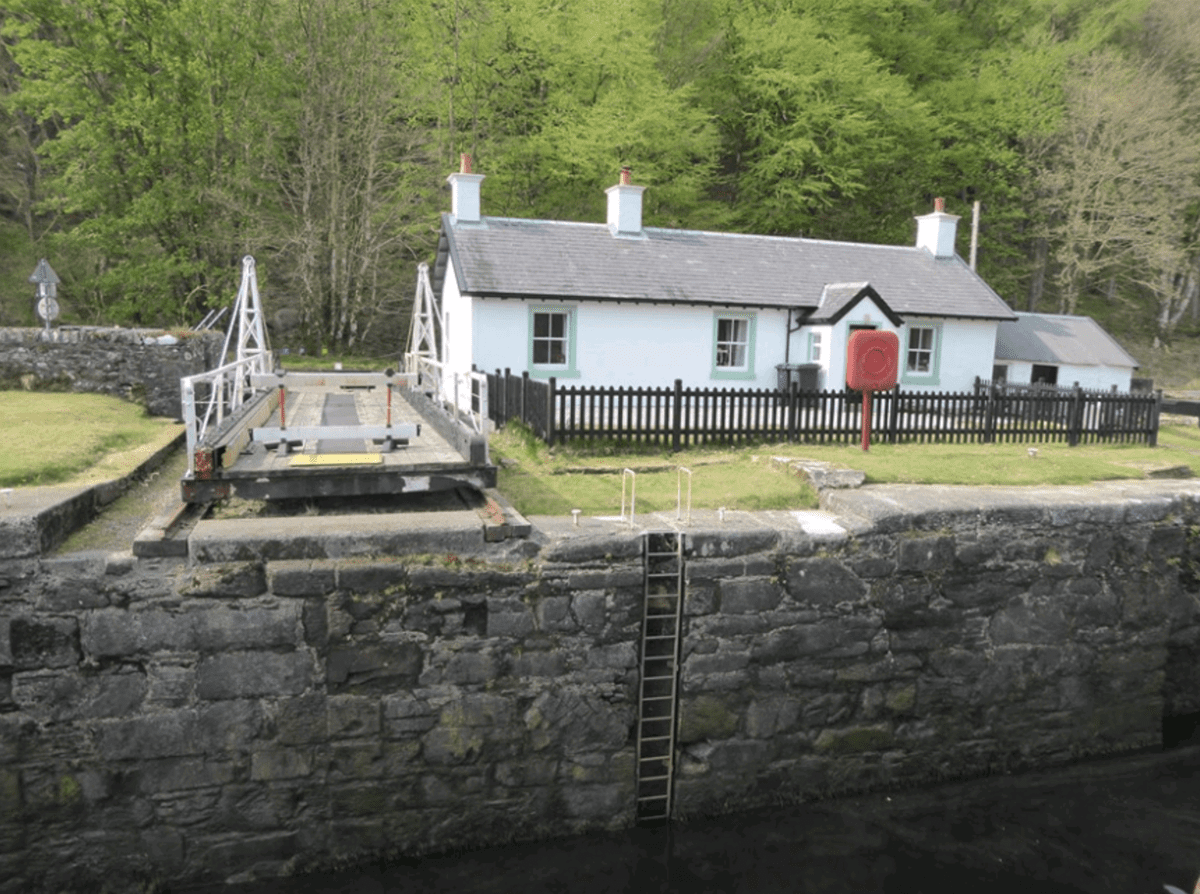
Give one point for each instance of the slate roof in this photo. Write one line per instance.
(1060, 339)
(517, 258)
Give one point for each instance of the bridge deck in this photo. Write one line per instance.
(340, 466)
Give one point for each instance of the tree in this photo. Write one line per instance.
(819, 137)
(552, 102)
(1121, 182)
(147, 102)
(355, 199)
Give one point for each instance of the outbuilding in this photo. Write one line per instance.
(1063, 350)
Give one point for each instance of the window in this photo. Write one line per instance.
(814, 347)
(1044, 375)
(920, 350)
(549, 338)
(922, 354)
(552, 342)
(733, 341)
(733, 346)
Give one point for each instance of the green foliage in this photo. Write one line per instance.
(146, 145)
(816, 121)
(149, 102)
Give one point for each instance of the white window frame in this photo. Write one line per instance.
(722, 346)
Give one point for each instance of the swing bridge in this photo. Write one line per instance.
(257, 431)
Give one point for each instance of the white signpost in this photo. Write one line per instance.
(47, 291)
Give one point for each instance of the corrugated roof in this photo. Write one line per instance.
(509, 257)
(1059, 338)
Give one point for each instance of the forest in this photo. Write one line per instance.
(147, 145)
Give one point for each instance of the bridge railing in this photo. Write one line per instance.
(209, 397)
(466, 394)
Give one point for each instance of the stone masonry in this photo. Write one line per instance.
(192, 723)
(142, 365)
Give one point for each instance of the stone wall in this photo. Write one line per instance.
(142, 365)
(197, 723)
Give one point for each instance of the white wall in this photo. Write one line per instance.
(652, 345)
(967, 351)
(458, 313)
(629, 344)
(964, 350)
(1091, 378)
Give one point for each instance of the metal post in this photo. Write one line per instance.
(679, 494)
(866, 420)
(189, 417)
(677, 418)
(632, 476)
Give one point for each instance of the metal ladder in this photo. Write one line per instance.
(662, 554)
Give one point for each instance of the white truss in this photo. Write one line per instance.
(427, 322)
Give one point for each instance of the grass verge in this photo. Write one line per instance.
(57, 438)
(544, 481)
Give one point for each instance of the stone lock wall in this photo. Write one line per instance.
(198, 723)
(933, 653)
(142, 365)
(242, 721)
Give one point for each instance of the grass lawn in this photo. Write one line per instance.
(541, 481)
(59, 438)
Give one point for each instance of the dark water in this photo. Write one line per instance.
(1130, 824)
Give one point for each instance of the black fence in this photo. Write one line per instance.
(682, 417)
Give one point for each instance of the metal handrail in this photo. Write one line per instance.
(465, 393)
(229, 388)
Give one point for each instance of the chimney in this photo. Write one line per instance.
(625, 206)
(936, 232)
(464, 192)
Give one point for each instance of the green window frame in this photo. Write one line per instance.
(551, 342)
(922, 354)
(733, 345)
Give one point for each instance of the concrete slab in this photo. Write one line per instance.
(338, 536)
(884, 506)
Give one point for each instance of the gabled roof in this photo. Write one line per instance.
(1059, 338)
(838, 299)
(515, 258)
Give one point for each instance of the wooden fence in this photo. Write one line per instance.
(682, 417)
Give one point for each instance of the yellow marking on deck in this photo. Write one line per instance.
(336, 459)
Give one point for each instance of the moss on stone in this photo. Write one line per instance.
(706, 717)
(855, 739)
(69, 790)
(902, 698)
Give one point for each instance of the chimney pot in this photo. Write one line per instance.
(464, 163)
(626, 176)
(939, 204)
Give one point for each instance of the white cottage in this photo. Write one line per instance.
(1062, 350)
(621, 304)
